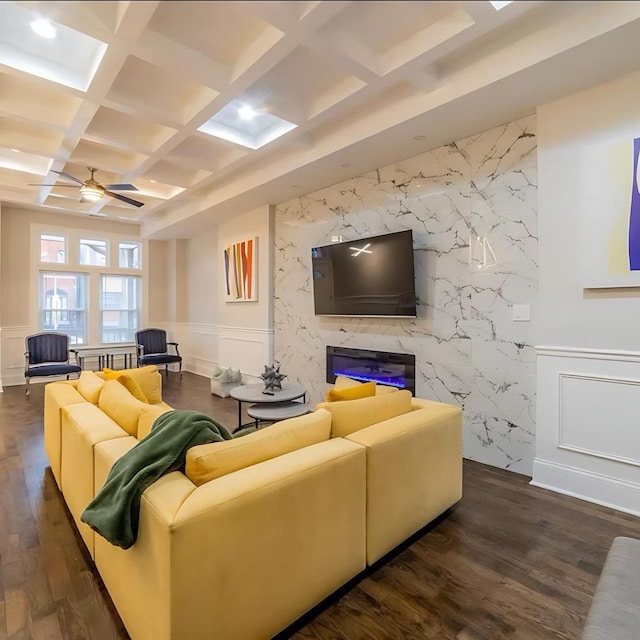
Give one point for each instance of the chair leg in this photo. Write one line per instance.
(26, 389)
(180, 364)
(166, 371)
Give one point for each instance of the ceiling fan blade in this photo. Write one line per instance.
(117, 196)
(121, 187)
(57, 184)
(66, 175)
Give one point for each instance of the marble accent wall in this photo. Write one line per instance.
(468, 349)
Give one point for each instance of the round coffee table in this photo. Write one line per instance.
(254, 393)
(276, 411)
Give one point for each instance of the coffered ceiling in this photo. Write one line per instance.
(212, 108)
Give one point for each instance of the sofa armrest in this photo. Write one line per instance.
(57, 395)
(245, 554)
(414, 473)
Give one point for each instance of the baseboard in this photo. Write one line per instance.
(586, 485)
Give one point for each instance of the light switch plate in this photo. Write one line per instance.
(521, 313)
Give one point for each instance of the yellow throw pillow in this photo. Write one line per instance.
(132, 387)
(381, 389)
(121, 406)
(352, 393)
(342, 382)
(148, 378)
(348, 416)
(209, 461)
(89, 386)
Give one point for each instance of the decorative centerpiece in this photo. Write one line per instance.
(272, 379)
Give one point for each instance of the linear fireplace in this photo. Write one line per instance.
(382, 367)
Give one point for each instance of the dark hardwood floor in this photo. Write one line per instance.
(510, 562)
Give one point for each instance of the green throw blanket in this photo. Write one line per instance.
(115, 511)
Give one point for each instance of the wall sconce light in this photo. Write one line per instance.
(481, 256)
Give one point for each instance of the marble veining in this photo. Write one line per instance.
(468, 349)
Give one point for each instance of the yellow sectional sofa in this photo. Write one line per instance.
(259, 529)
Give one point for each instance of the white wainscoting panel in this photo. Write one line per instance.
(616, 434)
(13, 355)
(587, 435)
(246, 349)
(198, 347)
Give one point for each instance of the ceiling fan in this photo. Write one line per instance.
(91, 190)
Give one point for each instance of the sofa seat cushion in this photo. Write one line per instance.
(121, 406)
(348, 416)
(209, 461)
(342, 382)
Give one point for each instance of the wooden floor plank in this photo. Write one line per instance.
(510, 562)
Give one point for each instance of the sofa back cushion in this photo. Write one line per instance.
(342, 382)
(209, 461)
(89, 386)
(148, 379)
(148, 416)
(121, 406)
(348, 416)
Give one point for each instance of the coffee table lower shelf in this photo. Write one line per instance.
(276, 411)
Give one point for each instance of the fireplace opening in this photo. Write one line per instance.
(381, 367)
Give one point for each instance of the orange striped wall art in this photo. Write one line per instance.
(241, 271)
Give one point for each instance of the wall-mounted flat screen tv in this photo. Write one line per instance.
(365, 277)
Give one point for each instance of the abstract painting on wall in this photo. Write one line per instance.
(241, 271)
(612, 215)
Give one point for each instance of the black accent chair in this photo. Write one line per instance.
(152, 348)
(47, 354)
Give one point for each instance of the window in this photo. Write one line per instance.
(63, 304)
(129, 255)
(94, 252)
(88, 284)
(119, 308)
(52, 248)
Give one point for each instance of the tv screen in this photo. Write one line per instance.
(365, 277)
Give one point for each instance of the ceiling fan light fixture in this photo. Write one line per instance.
(90, 192)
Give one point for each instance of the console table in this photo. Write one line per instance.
(254, 393)
(128, 354)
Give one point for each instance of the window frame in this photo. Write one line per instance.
(107, 262)
(72, 265)
(64, 237)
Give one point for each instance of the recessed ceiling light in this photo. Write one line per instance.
(246, 112)
(419, 137)
(500, 4)
(43, 28)
(154, 181)
(15, 150)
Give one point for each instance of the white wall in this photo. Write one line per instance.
(245, 334)
(199, 334)
(588, 379)
(567, 129)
